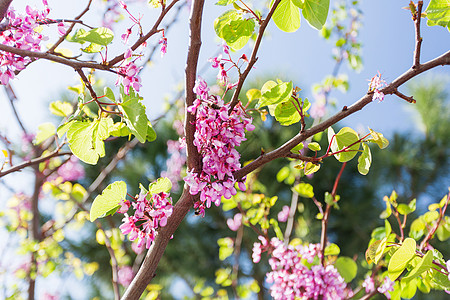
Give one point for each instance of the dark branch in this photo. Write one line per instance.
(4, 5)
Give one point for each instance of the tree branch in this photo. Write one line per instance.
(4, 5)
(283, 150)
(416, 18)
(181, 208)
(33, 162)
(253, 57)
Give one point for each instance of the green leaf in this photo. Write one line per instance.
(311, 168)
(237, 29)
(438, 13)
(287, 16)
(60, 108)
(371, 251)
(226, 247)
(346, 267)
(314, 146)
(380, 250)
(86, 139)
(101, 36)
(151, 133)
(134, 114)
(277, 229)
(62, 129)
(225, 2)
(273, 93)
(109, 200)
(163, 184)
(120, 129)
(304, 190)
(253, 94)
(298, 3)
(364, 160)
(332, 249)
(93, 48)
(283, 174)
(425, 263)
(231, 27)
(379, 139)
(297, 148)
(286, 113)
(109, 93)
(344, 138)
(404, 209)
(408, 288)
(45, 131)
(316, 12)
(400, 259)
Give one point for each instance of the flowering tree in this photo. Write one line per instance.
(216, 121)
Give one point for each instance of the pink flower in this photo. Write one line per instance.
(125, 275)
(72, 170)
(283, 214)
(163, 43)
(375, 84)
(61, 29)
(369, 285)
(256, 252)
(235, 223)
(388, 285)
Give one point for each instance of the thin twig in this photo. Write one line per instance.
(416, 18)
(323, 236)
(253, 58)
(12, 97)
(35, 161)
(292, 210)
(433, 231)
(404, 97)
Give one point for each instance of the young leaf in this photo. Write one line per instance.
(344, 138)
(101, 36)
(332, 249)
(120, 129)
(44, 132)
(379, 139)
(426, 263)
(314, 146)
(60, 108)
(438, 13)
(346, 267)
(286, 113)
(297, 148)
(287, 16)
(86, 139)
(316, 12)
(109, 93)
(151, 133)
(253, 94)
(231, 27)
(224, 2)
(161, 185)
(134, 114)
(311, 168)
(364, 160)
(304, 190)
(108, 201)
(400, 259)
(273, 93)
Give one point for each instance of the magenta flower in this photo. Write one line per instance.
(163, 43)
(72, 170)
(125, 275)
(235, 223)
(375, 84)
(283, 214)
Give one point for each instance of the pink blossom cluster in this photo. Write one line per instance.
(292, 279)
(150, 212)
(217, 132)
(283, 214)
(72, 170)
(20, 34)
(128, 74)
(125, 275)
(219, 62)
(175, 162)
(375, 84)
(235, 223)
